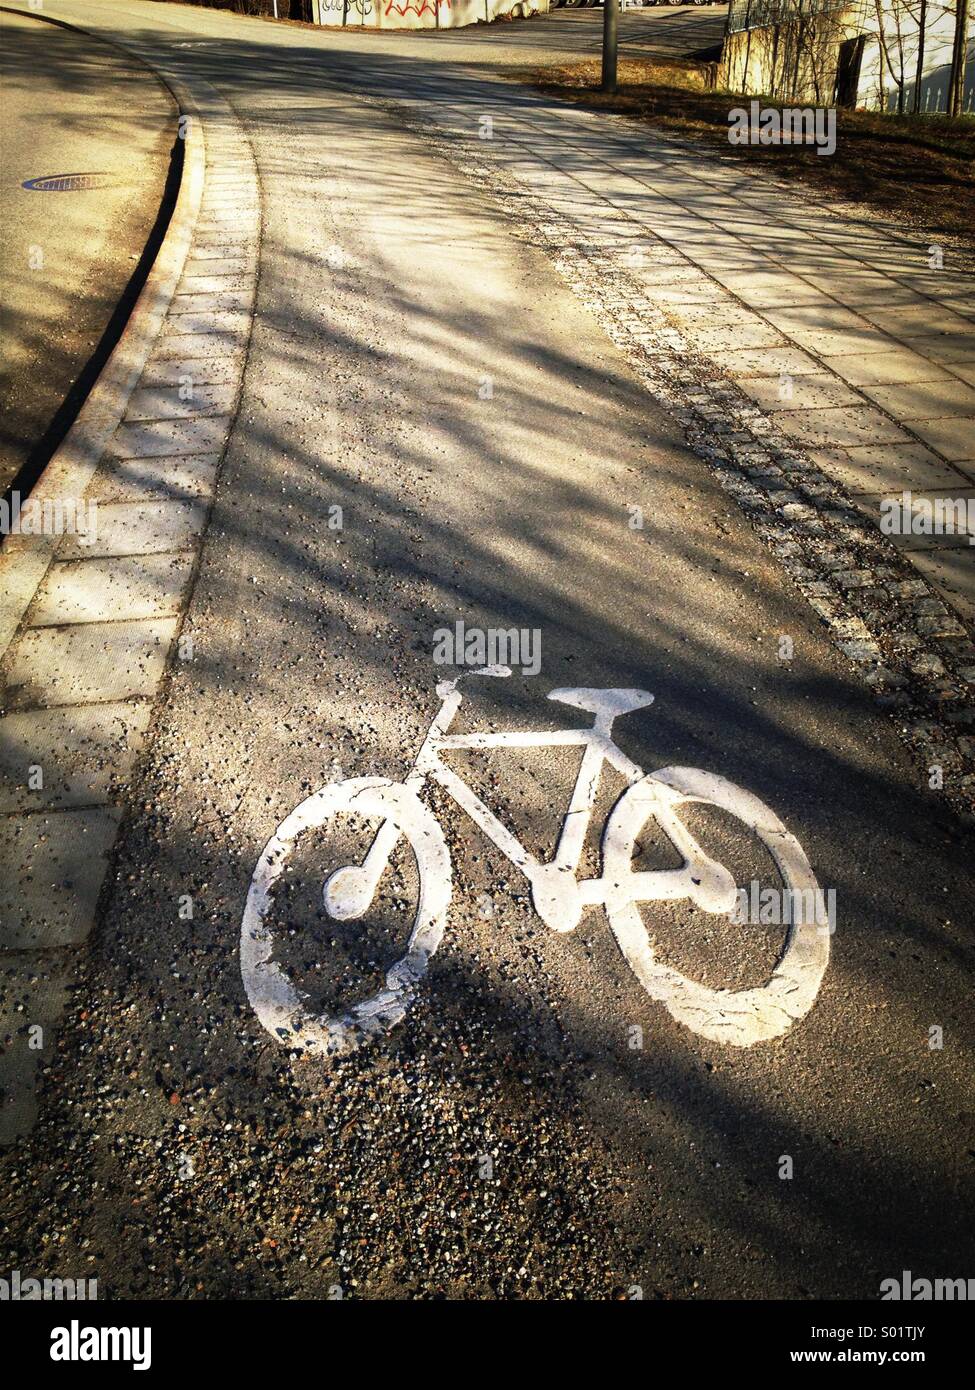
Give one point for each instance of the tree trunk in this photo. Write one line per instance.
(956, 85)
(919, 70)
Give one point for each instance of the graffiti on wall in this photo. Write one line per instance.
(422, 14)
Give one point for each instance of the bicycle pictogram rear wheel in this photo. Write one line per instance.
(279, 1005)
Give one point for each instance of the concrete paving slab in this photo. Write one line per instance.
(683, 294)
(957, 503)
(137, 480)
(826, 317)
(840, 342)
(217, 301)
(800, 392)
(894, 366)
(718, 313)
(888, 468)
(718, 339)
(213, 277)
(208, 345)
(766, 361)
(771, 291)
(85, 754)
(929, 400)
(953, 437)
(225, 249)
(913, 320)
(20, 574)
(107, 590)
(944, 348)
(194, 322)
(34, 990)
(54, 864)
(841, 426)
(942, 285)
(952, 573)
(88, 662)
(865, 292)
(139, 528)
(186, 398)
(212, 369)
(201, 436)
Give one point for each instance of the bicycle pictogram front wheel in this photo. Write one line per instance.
(737, 1017)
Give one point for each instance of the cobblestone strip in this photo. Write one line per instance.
(915, 656)
(79, 678)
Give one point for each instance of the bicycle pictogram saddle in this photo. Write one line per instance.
(614, 702)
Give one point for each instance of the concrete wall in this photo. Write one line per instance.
(794, 62)
(421, 14)
(787, 60)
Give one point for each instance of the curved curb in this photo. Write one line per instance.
(91, 622)
(72, 466)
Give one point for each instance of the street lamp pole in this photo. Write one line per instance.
(611, 10)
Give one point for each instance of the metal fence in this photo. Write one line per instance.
(758, 14)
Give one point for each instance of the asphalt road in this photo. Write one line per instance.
(70, 104)
(514, 1136)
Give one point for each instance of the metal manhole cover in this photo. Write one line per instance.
(65, 183)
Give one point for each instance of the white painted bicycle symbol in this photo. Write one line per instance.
(741, 1018)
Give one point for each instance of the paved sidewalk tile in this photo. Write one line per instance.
(107, 590)
(88, 661)
(892, 366)
(199, 345)
(34, 989)
(18, 584)
(141, 480)
(215, 368)
(855, 425)
(209, 251)
(953, 437)
(930, 400)
(225, 322)
(218, 301)
(911, 320)
(139, 528)
(723, 339)
(683, 294)
(218, 279)
(801, 392)
(200, 436)
(84, 753)
(809, 318)
(888, 468)
(945, 347)
(763, 361)
(55, 863)
(952, 572)
(184, 398)
(840, 342)
(956, 533)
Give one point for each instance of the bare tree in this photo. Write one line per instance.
(922, 22)
(890, 36)
(905, 31)
(959, 56)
